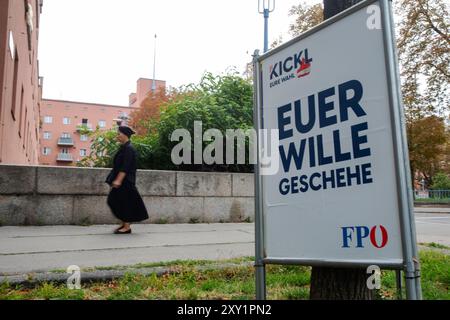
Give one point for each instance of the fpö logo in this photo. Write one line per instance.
(295, 66)
(362, 236)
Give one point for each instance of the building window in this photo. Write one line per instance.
(83, 152)
(12, 46)
(29, 18)
(102, 124)
(65, 135)
(47, 135)
(21, 113)
(15, 84)
(84, 137)
(66, 120)
(48, 119)
(46, 151)
(65, 151)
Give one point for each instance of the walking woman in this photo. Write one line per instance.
(124, 199)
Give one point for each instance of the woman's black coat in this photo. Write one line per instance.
(125, 202)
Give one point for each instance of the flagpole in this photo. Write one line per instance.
(154, 68)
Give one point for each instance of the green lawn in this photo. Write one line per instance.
(433, 200)
(435, 245)
(201, 280)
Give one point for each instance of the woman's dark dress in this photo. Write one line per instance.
(125, 202)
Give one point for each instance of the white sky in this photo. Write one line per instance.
(95, 50)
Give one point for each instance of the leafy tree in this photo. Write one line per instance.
(445, 163)
(441, 181)
(424, 53)
(144, 118)
(104, 145)
(427, 138)
(219, 102)
(306, 17)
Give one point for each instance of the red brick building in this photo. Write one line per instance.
(20, 84)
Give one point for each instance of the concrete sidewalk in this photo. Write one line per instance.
(441, 210)
(40, 249)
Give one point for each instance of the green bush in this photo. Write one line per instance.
(219, 102)
(441, 182)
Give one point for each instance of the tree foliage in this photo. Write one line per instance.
(424, 53)
(306, 17)
(427, 138)
(219, 102)
(104, 145)
(148, 112)
(441, 181)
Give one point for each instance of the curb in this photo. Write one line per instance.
(424, 210)
(31, 280)
(427, 248)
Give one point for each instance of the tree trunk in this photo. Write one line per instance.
(333, 7)
(339, 283)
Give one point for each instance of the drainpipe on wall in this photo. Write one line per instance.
(3, 104)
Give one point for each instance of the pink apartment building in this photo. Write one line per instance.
(20, 92)
(61, 140)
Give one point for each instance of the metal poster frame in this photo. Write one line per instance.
(410, 264)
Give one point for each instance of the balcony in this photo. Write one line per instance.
(64, 157)
(64, 141)
(84, 127)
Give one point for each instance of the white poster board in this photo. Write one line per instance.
(334, 198)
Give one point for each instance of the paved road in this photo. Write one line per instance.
(433, 228)
(35, 249)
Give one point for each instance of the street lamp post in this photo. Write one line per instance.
(265, 7)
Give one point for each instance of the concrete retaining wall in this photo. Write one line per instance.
(32, 195)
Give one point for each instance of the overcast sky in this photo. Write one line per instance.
(95, 50)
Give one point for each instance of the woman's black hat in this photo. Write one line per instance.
(126, 131)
